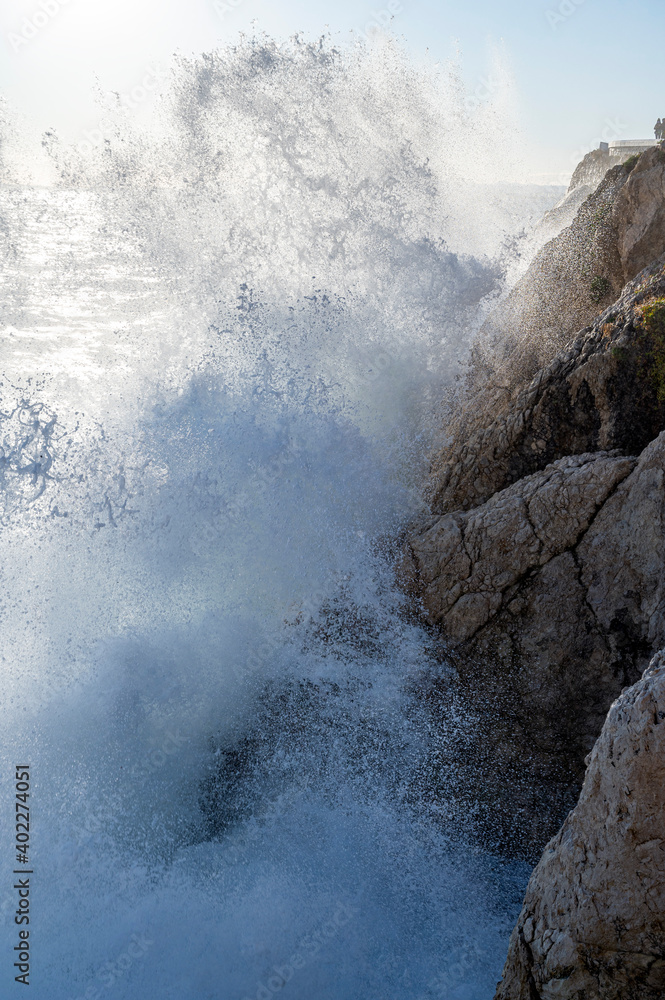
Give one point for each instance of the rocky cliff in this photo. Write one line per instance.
(617, 232)
(592, 926)
(546, 576)
(605, 390)
(542, 567)
(551, 597)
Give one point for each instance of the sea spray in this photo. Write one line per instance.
(230, 340)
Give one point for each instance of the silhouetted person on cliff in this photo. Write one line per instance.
(658, 130)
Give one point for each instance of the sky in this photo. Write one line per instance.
(585, 70)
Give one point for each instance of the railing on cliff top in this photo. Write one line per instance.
(628, 145)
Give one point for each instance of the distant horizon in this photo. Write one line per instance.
(566, 57)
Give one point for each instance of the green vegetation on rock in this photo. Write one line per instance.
(600, 286)
(653, 320)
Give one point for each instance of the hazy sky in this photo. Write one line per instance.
(582, 67)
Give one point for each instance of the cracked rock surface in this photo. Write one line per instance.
(598, 394)
(544, 560)
(467, 562)
(592, 926)
(542, 566)
(617, 232)
(550, 598)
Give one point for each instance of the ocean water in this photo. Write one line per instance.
(226, 343)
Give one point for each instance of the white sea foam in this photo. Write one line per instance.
(228, 343)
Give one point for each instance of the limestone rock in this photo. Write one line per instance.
(593, 167)
(622, 559)
(639, 214)
(593, 921)
(542, 565)
(617, 232)
(605, 391)
(466, 562)
(550, 597)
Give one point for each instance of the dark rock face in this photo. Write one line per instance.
(542, 566)
(604, 392)
(618, 231)
(592, 926)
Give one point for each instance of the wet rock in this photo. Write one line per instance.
(542, 565)
(593, 921)
(550, 598)
(467, 562)
(605, 391)
(617, 232)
